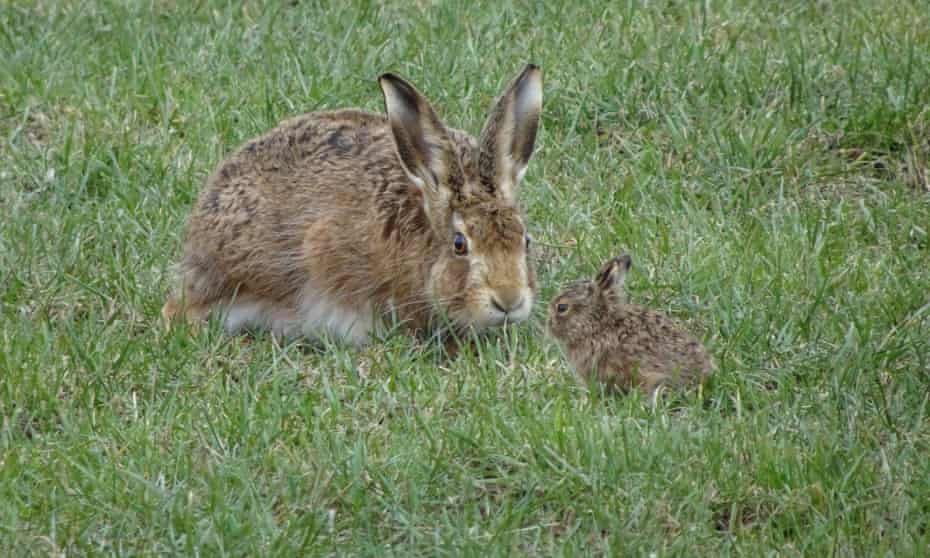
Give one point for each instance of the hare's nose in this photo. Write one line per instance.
(507, 300)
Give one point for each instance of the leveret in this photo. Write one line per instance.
(621, 345)
(335, 222)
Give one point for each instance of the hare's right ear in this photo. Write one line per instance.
(423, 146)
(508, 137)
(611, 277)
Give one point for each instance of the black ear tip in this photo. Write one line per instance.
(529, 70)
(392, 85)
(387, 76)
(625, 261)
(394, 80)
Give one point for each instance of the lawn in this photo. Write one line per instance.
(766, 163)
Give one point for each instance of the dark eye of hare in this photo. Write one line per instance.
(561, 308)
(460, 244)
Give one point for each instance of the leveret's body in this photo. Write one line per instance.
(334, 220)
(623, 345)
(638, 347)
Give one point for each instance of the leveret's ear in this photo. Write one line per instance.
(423, 146)
(612, 276)
(509, 135)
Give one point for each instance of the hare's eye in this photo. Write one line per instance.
(561, 308)
(460, 244)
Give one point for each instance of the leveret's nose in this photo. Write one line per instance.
(507, 300)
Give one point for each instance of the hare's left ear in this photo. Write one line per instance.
(423, 147)
(612, 276)
(509, 135)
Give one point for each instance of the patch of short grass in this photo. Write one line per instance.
(765, 163)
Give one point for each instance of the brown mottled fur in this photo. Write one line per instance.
(623, 344)
(361, 209)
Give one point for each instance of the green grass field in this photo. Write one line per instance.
(766, 163)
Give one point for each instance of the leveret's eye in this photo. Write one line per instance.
(460, 244)
(561, 308)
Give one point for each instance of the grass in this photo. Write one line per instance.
(765, 163)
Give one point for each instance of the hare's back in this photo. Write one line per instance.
(325, 164)
(337, 153)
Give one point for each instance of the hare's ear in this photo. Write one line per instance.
(612, 276)
(423, 146)
(509, 135)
